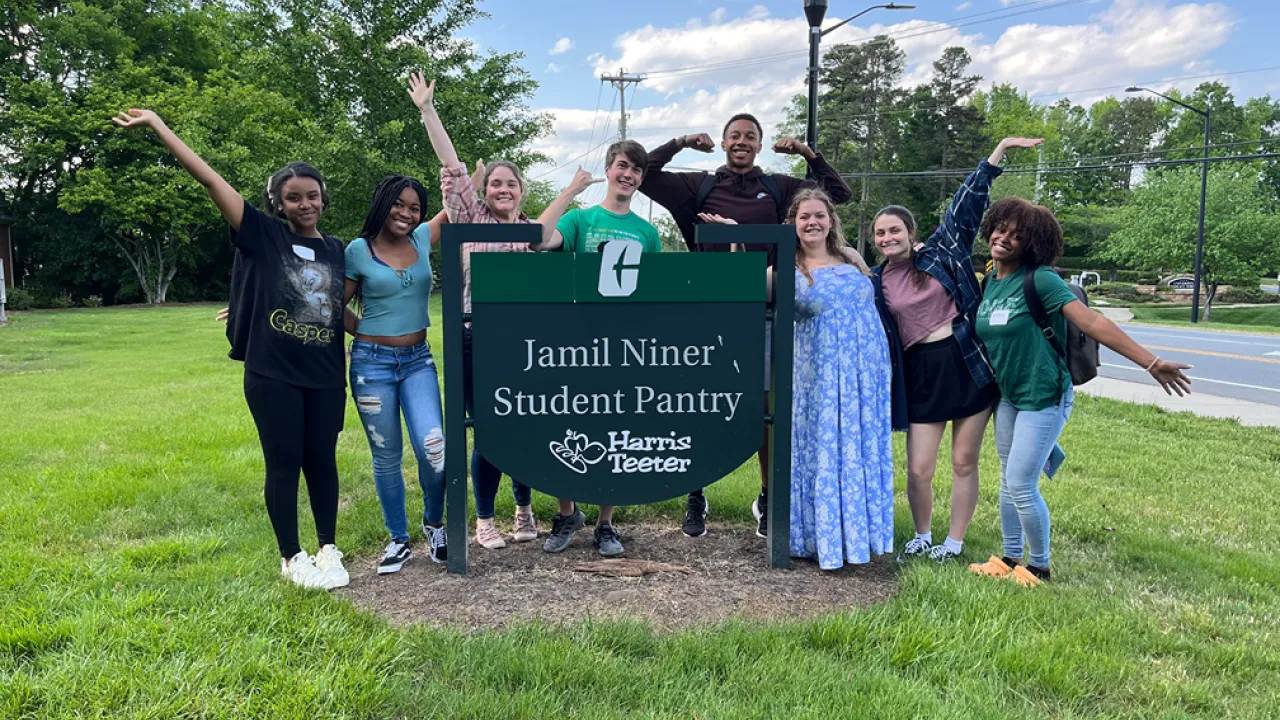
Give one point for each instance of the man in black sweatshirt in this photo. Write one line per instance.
(742, 192)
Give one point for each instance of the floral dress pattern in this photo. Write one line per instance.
(841, 439)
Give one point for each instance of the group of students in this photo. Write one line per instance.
(911, 345)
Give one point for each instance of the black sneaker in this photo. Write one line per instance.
(437, 543)
(760, 509)
(695, 515)
(396, 555)
(607, 540)
(563, 529)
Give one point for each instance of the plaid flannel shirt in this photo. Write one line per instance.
(948, 257)
(463, 205)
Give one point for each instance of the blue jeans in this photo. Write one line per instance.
(385, 382)
(1024, 440)
(485, 476)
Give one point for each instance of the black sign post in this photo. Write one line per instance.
(617, 377)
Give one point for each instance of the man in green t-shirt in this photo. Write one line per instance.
(586, 230)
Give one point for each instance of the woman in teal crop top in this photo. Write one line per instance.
(392, 371)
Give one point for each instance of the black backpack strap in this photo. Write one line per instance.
(708, 184)
(1036, 307)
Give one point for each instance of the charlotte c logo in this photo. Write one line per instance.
(619, 269)
(577, 451)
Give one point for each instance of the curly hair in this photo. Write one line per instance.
(836, 242)
(1035, 225)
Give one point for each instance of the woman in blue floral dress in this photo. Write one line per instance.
(841, 435)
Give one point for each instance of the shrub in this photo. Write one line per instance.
(92, 301)
(19, 299)
(1247, 295)
(59, 302)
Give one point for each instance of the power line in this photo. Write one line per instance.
(1078, 168)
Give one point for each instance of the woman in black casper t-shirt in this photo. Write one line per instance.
(288, 331)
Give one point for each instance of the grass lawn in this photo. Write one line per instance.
(138, 576)
(1265, 318)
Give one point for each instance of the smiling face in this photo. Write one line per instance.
(502, 193)
(893, 237)
(1005, 243)
(741, 144)
(813, 224)
(405, 214)
(301, 203)
(624, 176)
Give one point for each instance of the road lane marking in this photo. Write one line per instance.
(1214, 354)
(1211, 339)
(1198, 379)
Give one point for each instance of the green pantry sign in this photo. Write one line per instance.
(615, 377)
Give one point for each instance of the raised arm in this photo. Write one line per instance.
(551, 237)
(229, 202)
(424, 95)
(672, 190)
(441, 218)
(964, 216)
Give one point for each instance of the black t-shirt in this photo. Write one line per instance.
(286, 306)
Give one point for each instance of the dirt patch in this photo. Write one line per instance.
(729, 579)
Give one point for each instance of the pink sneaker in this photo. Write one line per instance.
(526, 528)
(488, 536)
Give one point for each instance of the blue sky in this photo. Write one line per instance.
(1053, 47)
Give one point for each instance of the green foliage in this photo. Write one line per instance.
(249, 86)
(1247, 295)
(17, 298)
(92, 301)
(672, 240)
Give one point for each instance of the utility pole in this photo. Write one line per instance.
(620, 81)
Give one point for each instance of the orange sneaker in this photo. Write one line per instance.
(995, 567)
(1024, 577)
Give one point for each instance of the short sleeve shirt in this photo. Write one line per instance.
(288, 309)
(1028, 370)
(586, 229)
(393, 302)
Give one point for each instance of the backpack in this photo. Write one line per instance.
(1081, 352)
(768, 181)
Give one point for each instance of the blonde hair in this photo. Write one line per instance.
(837, 245)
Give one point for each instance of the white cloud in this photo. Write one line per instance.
(964, 6)
(562, 46)
(703, 71)
(553, 68)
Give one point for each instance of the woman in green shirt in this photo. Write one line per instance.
(1035, 384)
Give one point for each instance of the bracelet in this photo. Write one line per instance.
(1153, 363)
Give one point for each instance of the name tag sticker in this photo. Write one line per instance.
(999, 317)
(304, 252)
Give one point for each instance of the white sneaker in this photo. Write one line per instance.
(329, 562)
(301, 571)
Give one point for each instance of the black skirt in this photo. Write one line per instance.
(939, 385)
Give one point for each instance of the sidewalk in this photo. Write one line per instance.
(1248, 413)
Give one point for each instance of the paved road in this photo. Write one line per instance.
(1235, 365)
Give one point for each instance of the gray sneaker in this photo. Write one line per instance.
(563, 529)
(607, 540)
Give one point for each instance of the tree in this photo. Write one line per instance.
(1157, 229)
(669, 234)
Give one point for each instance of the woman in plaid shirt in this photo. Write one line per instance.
(928, 300)
(503, 192)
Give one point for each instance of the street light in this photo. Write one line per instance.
(1204, 186)
(815, 11)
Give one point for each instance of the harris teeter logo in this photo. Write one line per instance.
(577, 452)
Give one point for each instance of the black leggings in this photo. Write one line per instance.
(298, 428)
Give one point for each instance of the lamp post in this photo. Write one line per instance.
(1204, 186)
(815, 11)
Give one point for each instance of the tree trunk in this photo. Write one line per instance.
(1208, 301)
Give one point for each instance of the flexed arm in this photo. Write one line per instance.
(229, 202)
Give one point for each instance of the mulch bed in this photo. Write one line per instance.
(727, 577)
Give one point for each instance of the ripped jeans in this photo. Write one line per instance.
(386, 381)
